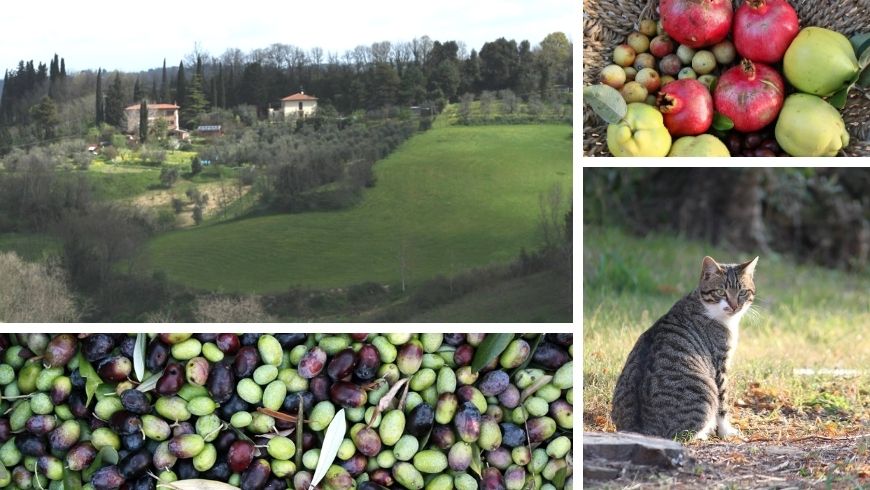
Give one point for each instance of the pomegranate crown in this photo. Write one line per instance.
(748, 68)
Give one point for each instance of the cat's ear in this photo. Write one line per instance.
(709, 268)
(749, 267)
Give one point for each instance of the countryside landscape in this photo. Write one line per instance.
(422, 180)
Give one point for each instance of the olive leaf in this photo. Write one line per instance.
(197, 484)
(72, 480)
(139, 356)
(721, 122)
(300, 422)
(860, 42)
(384, 402)
(559, 479)
(150, 383)
(838, 100)
(277, 415)
(475, 460)
(331, 441)
(92, 379)
(537, 385)
(491, 347)
(103, 390)
(605, 101)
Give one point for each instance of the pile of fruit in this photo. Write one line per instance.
(260, 411)
(706, 80)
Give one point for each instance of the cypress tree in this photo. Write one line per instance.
(137, 91)
(164, 88)
(100, 114)
(180, 86)
(62, 68)
(143, 121)
(114, 108)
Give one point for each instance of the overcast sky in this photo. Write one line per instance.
(115, 35)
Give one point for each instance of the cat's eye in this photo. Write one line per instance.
(720, 292)
(744, 293)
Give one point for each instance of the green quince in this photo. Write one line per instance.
(810, 127)
(705, 145)
(820, 61)
(641, 133)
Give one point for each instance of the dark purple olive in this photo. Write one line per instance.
(228, 343)
(115, 368)
(355, 465)
(224, 440)
(107, 478)
(143, 483)
(510, 397)
(420, 420)
(308, 441)
(77, 406)
(764, 152)
(124, 422)
(752, 141)
(772, 145)
(367, 441)
(493, 383)
(220, 471)
(319, 387)
(276, 483)
(205, 337)
(221, 383)
(246, 361)
(135, 464)
(463, 354)
(499, 457)
(30, 445)
(126, 346)
(5, 430)
(132, 442)
(240, 455)
(81, 456)
(454, 339)
(184, 469)
(60, 350)
(135, 401)
(233, 405)
(256, 476)
(512, 435)
(182, 428)
(443, 436)
(467, 422)
(291, 402)
(367, 364)
(381, 477)
(312, 363)
(550, 356)
(97, 346)
(734, 142)
(250, 339)
(39, 425)
(290, 340)
(348, 395)
(342, 364)
(359, 337)
(171, 381)
(156, 356)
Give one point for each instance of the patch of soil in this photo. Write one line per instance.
(184, 219)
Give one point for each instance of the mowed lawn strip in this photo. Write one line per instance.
(448, 199)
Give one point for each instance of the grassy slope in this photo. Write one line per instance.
(29, 246)
(809, 317)
(452, 198)
(542, 297)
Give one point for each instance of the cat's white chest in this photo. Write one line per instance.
(733, 334)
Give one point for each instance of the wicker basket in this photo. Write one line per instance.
(606, 23)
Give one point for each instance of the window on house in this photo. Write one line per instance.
(300, 106)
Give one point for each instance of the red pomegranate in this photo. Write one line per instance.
(696, 23)
(751, 94)
(764, 29)
(686, 106)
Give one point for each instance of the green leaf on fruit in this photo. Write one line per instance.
(72, 480)
(864, 78)
(721, 122)
(476, 464)
(838, 100)
(139, 356)
(491, 347)
(860, 42)
(92, 379)
(561, 475)
(605, 101)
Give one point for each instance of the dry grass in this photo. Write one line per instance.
(806, 317)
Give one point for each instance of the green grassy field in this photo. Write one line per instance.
(29, 246)
(807, 317)
(539, 298)
(448, 199)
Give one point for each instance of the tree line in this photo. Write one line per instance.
(371, 77)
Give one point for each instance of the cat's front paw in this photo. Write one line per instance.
(724, 430)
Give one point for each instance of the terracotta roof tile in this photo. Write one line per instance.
(152, 106)
(299, 96)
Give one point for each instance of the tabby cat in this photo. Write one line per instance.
(674, 380)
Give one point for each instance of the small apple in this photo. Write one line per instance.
(630, 73)
(661, 46)
(687, 73)
(649, 78)
(638, 41)
(633, 92)
(667, 79)
(685, 54)
(644, 60)
(670, 65)
(725, 52)
(708, 80)
(648, 27)
(623, 55)
(614, 76)
(704, 62)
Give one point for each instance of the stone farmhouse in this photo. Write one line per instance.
(298, 105)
